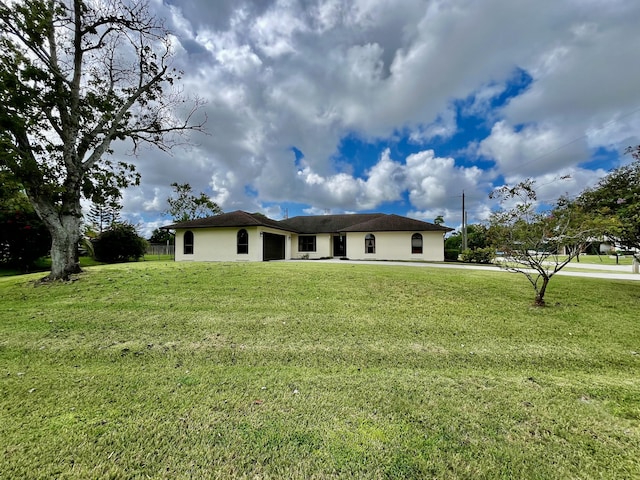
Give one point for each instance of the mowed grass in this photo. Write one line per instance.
(602, 259)
(309, 370)
(44, 264)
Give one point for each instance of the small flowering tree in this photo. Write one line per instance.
(538, 244)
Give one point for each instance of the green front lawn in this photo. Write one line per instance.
(603, 259)
(44, 264)
(308, 370)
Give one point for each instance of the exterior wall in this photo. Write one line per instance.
(220, 244)
(396, 246)
(324, 247)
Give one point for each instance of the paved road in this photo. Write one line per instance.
(611, 272)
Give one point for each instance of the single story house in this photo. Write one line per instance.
(237, 236)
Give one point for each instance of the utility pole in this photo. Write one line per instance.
(466, 233)
(464, 225)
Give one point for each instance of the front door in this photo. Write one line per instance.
(339, 246)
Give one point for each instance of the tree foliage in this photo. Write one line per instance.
(184, 205)
(478, 255)
(104, 213)
(478, 248)
(23, 236)
(476, 237)
(161, 236)
(120, 243)
(538, 244)
(75, 76)
(617, 198)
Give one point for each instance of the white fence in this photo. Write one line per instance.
(160, 249)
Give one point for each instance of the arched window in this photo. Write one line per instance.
(243, 241)
(188, 243)
(369, 243)
(416, 243)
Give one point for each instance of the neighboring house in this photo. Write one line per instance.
(239, 235)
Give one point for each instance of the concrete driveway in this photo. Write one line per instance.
(612, 272)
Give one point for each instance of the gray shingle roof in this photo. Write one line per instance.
(357, 222)
(395, 223)
(231, 219)
(327, 223)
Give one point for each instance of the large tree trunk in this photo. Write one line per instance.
(64, 228)
(64, 245)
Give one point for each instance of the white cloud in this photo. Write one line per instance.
(482, 98)
(385, 182)
(274, 30)
(430, 183)
(444, 127)
(433, 181)
(223, 185)
(306, 74)
(239, 60)
(586, 70)
(534, 149)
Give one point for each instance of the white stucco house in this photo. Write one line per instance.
(242, 236)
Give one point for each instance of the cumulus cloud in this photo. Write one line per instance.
(278, 74)
(445, 127)
(533, 149)
(429, 182)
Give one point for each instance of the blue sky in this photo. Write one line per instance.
(395, 106)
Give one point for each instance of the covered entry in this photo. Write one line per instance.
(273, 246)
(339, 246)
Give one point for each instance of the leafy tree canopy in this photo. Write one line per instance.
(184, 205)
(476, 238)
(161, 236)
(104, 213)
(617, 197)
(120, 243)
(75, 76)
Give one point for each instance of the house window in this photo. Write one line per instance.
(307, 243)
(243, 241)
(369, 243)
(416, 243)
(188, 243)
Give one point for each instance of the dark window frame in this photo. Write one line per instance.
(370, 243)
(242, 243)
(307, 243)
(415, 248)
(188, 242)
